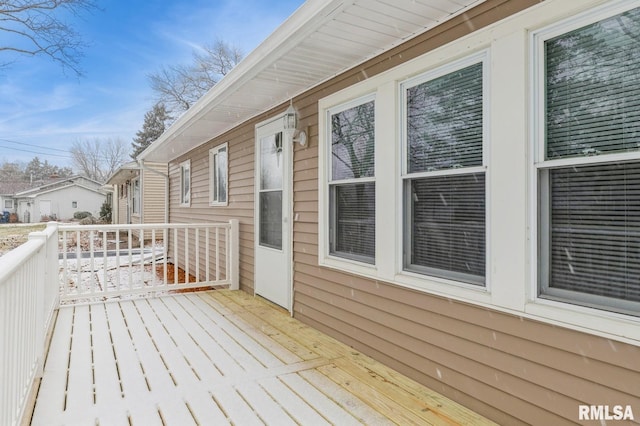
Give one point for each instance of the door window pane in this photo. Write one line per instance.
(271, 162)
(271, 219)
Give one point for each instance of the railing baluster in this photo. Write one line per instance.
(186, 255)
(130, 260)
(165, 236)
(105, 264)
(65, 267)
(92, 263)
(175, 256)
(117, 271)
(217, 253)
(153, 258)
(78, 264)
(197, 250)
(207, 253)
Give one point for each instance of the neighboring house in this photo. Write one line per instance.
(60, 199)
(8, 202)
(139, 197)
(466, 206)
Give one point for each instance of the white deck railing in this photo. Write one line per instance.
(107, 261)
(84, 263)
(28, 298)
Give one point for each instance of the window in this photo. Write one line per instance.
(588, 164)
(352, 181)
(135, 196)
(218, 175)
(8, 204)
(271, 182)
(74, 204)
(185, 183)
(444, 178)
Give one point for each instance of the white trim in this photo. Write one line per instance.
(326, 181)
(212, 173)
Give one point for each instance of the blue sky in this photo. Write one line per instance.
(45, 109)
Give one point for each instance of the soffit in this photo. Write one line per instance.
(319, 41)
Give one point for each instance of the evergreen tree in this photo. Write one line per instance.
(154, 125)
(36, 170)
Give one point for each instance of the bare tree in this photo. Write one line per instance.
(34, 27)
(180, 86)
(98, 158)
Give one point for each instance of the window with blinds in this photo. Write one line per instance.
(444, 183)
(589, 178)
(352, 182)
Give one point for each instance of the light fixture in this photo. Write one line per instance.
(290, 123)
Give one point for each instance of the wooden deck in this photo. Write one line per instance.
(219, 357)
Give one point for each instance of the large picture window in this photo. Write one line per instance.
(588, 165)
(352, 181)
(444, 179)
(218, 175)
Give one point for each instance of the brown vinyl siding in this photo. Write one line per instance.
(240, 195)
(153, 193)
(511, 369)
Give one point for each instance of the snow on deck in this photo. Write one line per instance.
(218, 357)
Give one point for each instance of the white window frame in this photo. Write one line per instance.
(325, 177)
(331, 182)
(594, 319)
(8, 201)
(480, 58)
(185, 178)
(214, 187)
(135, 196)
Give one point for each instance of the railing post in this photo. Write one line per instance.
(52, 274)
(234, 255)
(40, 297)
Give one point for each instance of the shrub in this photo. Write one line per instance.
(81, 215)
(105, 212)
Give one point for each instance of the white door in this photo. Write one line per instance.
(272, 214)
(45, 209)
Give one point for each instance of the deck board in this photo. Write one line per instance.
(219, 357)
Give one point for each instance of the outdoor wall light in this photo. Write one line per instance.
(290, 122)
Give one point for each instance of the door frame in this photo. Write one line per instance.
(287, 210)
